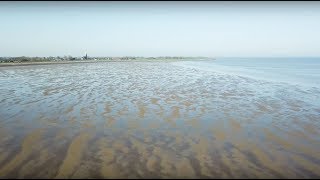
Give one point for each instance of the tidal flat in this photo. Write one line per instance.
(154, 120)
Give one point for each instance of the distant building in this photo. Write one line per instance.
(86, 56)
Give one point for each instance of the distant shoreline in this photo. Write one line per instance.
(89, 61)
(42, 63)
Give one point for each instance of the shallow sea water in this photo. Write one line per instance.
(154, 120)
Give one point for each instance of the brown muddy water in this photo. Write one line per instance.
(153, 120)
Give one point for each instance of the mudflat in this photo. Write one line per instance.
(153, 120)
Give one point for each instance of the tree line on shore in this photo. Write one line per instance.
(70, 58)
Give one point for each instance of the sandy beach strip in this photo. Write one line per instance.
(90, 61)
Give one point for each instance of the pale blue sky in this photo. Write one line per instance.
(160, 28)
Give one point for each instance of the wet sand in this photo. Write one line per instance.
(153, 120)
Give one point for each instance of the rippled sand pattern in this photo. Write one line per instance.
(153, 120)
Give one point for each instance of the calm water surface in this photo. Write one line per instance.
(297, 71)
(157, 120)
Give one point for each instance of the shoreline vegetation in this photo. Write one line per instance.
(25, 61)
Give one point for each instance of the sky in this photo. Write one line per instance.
(213, 29)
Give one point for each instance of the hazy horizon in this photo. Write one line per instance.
(207, 29)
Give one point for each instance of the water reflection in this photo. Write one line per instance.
(153, 119)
